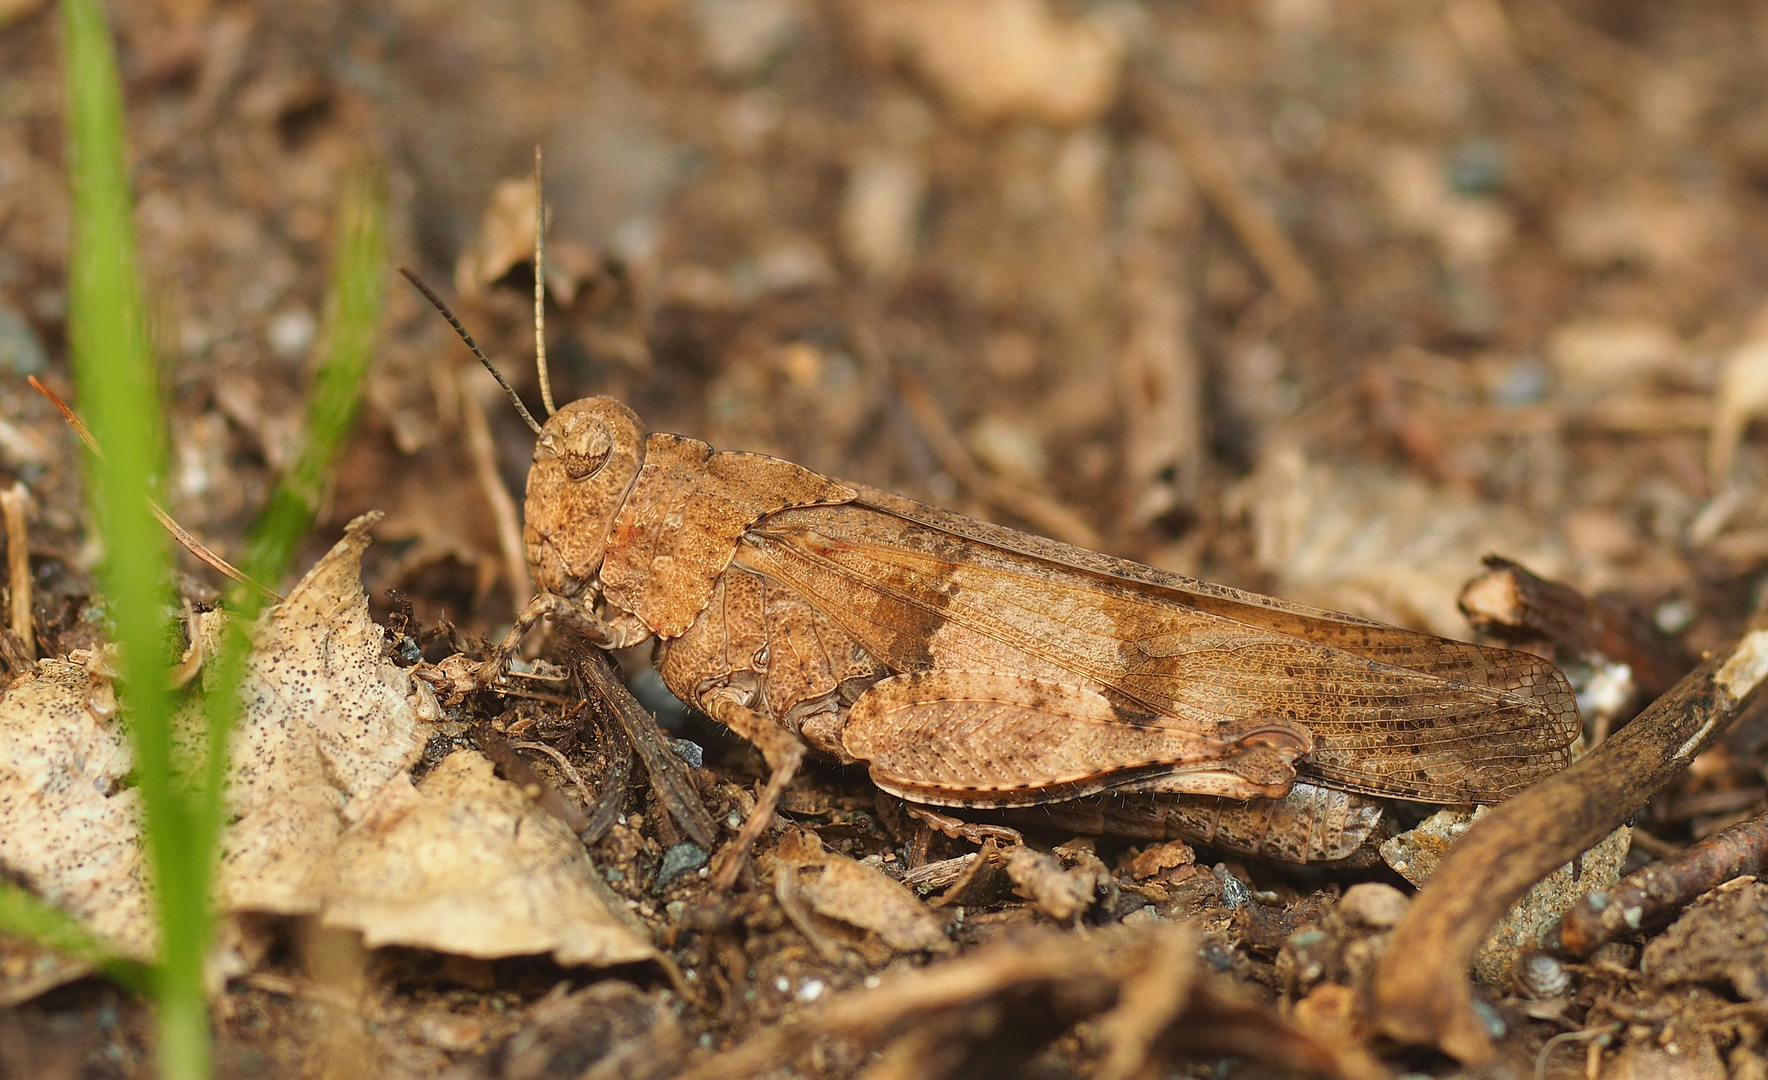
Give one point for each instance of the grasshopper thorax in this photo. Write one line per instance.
(585, 461)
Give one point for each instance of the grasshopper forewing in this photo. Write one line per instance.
(971, 665)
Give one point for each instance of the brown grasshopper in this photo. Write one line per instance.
(972, 666)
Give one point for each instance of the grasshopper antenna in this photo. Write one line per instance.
(436, 302)
(546, 397)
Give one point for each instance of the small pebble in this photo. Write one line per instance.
(689, 752)
(681, 859)
(21, 352)
(1374, 904)
(1234, 891)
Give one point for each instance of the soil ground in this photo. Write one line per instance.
(1322, 298)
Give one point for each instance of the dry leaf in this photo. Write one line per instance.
(506, 237)
(28, 969)
(468, 864)
(327, 722)
(66, 831)
(1381, 545)
(836, 887)
(1597, 358)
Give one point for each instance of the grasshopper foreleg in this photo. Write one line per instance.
(457, 676)
(784, 753)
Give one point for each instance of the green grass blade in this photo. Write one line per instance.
(24, 915)
(119, 391)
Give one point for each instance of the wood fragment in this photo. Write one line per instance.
(1215, 176)
(1421, 994)
(1510, 603)
(1653, 896)
(1034, 506)
(667, 771)
(1080, 977)
(15, 505)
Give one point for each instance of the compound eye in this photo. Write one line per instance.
(585, 455)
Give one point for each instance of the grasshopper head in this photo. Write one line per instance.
(584, 464)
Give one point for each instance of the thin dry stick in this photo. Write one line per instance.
(1034, 506)
(188, 542)
(503, 507)
(15, 503)
(1209, 168)
(1421, 992)
(1652, 896)
(546, 397)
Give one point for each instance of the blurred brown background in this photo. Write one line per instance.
(1323, 298)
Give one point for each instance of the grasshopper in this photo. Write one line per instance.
(971, 666)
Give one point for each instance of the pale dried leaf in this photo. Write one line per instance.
(1742, 395)
(66, 831)
(28, 969)
(506, 237)
(1598, 357)
(327, 722)
(836, 887)
(468, 864)
(1381, 545)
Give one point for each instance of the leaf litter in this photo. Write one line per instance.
(324, 818)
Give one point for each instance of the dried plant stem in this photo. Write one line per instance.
(1421, 992)
(503, 507)
(15, 504)
(188, 542)
(546, 395)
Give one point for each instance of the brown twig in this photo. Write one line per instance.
(1034, 506)
(1160, 384)
(565, 766)
(1509, 602)
(1421, 993)
(668, 773)
(978, 996)
(15, 503)
(1651, 897)
(1215, 176)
